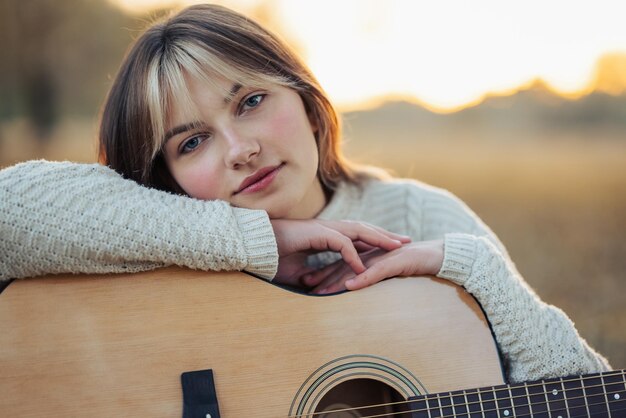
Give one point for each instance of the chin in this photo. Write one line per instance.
(284, 206)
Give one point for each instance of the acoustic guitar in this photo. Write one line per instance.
(178, 342)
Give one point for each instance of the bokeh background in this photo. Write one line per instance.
(517, 107)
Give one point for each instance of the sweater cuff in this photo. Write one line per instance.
(259, 241)
(459, 253)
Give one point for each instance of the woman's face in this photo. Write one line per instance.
(254, 148)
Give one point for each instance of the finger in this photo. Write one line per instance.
(362, 247)
(379, 267)
(340, 243)
(333, 283)
(330, 274)
(301, 276)
(314, 278)
(376, 273)
(369, 234)
(336, 280)
(405, 239)
(399, 237)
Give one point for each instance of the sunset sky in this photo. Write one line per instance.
(444, 53)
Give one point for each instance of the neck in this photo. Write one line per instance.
(602, 395)
(312, 204)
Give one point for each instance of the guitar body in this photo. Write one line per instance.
(116, 345)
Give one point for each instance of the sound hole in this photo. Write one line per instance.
(347, 396)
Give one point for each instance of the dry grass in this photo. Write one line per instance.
(558, 205)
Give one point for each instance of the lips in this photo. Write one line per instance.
(259, 180)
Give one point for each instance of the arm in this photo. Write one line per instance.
(536, 340)
(79, 218)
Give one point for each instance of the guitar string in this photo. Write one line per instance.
(494, 391)
(468, 414)
(466, 404)
(582, 414)
(497, 409)
(482, 411)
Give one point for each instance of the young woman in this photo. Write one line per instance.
(220, 151)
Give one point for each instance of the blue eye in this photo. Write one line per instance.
(252, 102)
(192, 143)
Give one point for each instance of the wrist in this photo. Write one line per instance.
(436, 257)
(259, 242)
(459, 255)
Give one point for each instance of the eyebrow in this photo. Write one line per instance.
(193, 125)
(180, 129)
(233, 91)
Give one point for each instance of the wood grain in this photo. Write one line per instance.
(116, 345)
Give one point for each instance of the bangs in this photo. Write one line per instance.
(213, 45)
(167, 87)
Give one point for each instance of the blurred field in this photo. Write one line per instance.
(559, 205)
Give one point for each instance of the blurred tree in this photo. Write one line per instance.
(59, 57)
(40, 97)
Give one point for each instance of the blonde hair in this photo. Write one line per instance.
(204, 41)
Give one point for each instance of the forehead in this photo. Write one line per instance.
(200, 95)
(196, 91)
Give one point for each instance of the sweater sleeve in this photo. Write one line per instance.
(536, 340)
(86, 218)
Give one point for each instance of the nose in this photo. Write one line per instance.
(242, 148)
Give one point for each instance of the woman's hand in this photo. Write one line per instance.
(296, 239)
(419, 258)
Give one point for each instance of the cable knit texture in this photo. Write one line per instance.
(64, 217)
(79, 218)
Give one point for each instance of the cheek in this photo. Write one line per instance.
(201, 181)
(293, 130)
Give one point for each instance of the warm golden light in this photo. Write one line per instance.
(140, 6)
(445, 54)
(610, 74)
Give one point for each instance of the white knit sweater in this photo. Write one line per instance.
(78, 218)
